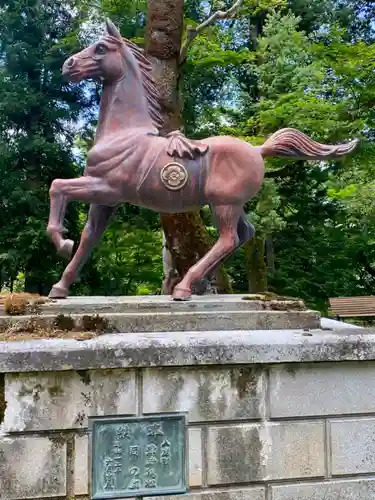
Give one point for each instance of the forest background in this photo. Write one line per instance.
(275, 63)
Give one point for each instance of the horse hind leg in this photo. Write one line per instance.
(227, 217)
(245, 231)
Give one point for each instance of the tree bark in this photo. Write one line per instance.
(186, 235)
(163, 45)
(256, 265)
(270, 253)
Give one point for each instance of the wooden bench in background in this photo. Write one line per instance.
(352, 307)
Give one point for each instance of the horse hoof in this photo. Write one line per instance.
(66, 249)
(58, 292)
(181, 294)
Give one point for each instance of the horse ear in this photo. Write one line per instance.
(112, 30)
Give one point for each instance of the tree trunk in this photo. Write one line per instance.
(270, 252)
(163, 45)
(256, 265)
(186, 235)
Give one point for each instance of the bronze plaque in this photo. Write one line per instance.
(138, 456)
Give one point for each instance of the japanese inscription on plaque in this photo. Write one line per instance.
(132, 457)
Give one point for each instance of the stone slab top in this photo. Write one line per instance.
(136, 350)
(163, 303)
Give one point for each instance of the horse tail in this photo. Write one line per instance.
(292, 143)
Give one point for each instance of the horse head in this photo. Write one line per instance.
(103, 60)
(115, 59)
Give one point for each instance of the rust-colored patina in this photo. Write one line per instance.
(130, 162)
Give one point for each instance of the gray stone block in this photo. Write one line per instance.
(295, 450)
(195, 457)
(235, 454)
(163, 303)
(64, 400)
(206, 393)
(324, 389)
(181, 321)
(140, 350)
(32, 467)
(253, 452)
(237, 494)
(358, 489)
(353, 446)
(81, 464)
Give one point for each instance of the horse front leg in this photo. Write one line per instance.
(97, 222)
(90, 189)
(55, 228)
(93, 190)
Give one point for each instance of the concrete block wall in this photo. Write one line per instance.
(302, 431)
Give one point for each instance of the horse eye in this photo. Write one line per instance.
(101, 49)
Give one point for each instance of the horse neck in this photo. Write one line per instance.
(124, 107)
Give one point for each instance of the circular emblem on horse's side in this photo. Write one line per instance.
(174, 176)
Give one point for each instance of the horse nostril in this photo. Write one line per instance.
(70, 62)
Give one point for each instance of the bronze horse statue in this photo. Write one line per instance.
(131, 162)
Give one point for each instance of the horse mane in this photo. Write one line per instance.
(151, 92)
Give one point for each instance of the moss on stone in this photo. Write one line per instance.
(253, 297)
(63, 322)
(17, 304)
(95, 323)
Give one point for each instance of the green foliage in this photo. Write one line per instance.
(129, 16)
(322, 88)
(320, 218)
(36, 111)
(128, 260)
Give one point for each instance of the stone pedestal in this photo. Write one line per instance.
(281, 414)
(161, 314)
